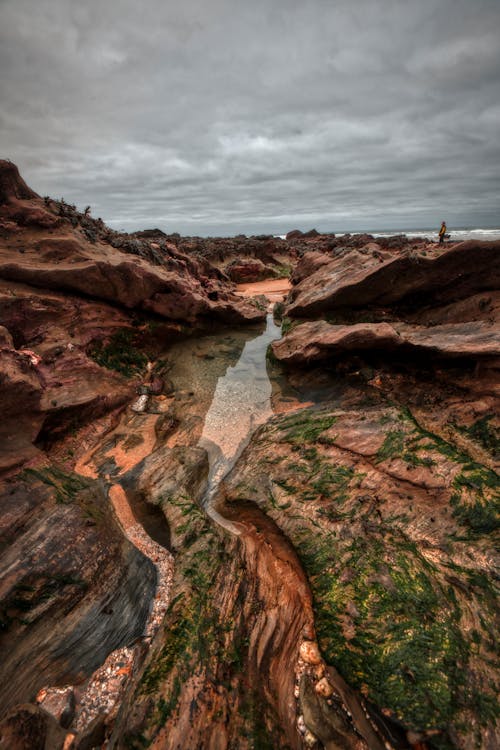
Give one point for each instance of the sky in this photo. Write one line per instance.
(219, 117)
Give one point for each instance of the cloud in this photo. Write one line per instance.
(228, 116)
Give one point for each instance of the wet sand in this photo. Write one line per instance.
(274, 289)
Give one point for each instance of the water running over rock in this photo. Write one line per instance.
(241, 402)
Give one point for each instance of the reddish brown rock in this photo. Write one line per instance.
(20, 406)
(359, 280)
(294, 234)
(6, 341)
(309, 264)
(72, 587)
(12, 184)
(319, 340)
(60, 703)
(62, 250)
(243, 270)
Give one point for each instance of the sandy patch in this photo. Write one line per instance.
(274, 289)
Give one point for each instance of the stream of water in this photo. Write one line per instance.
(241, 402)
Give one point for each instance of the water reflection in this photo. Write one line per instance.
(241, 402)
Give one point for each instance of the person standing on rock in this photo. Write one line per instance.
(442, 232)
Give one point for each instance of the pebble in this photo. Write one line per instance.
(309, 738)
(140, 404)
(301, 725)
(309, 652)
(323, 688)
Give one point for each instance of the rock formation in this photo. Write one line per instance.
(338, 588)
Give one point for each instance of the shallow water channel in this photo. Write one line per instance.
(241, 402)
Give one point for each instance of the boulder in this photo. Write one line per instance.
(316, 341)
(358, 280)
(29, 727)
(319, 340)
(241, 270)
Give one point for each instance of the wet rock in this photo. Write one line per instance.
(309, 652)
(326, 722)
(323, 687)
(29, 727)
(94, 735)
(167, 476)
(60, 703)
(66, 606)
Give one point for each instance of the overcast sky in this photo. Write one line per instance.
(227, 116)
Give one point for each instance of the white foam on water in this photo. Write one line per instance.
(457, 235)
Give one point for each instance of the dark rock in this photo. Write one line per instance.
(60, 703)
(12, 184)
(94, 736)
(29, 727)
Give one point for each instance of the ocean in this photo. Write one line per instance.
(456, 235)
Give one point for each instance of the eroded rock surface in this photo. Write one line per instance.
(367, 277)
(395, 528)
(339, 591)
(321, 340)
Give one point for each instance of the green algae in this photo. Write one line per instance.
(306, 427)
(120, 353)
(203, 642)
(484, 433)
(387, 619)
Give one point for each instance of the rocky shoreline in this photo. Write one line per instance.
(357, 605)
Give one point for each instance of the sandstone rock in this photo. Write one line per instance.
(66, 605)
(85, 258)
(94, 736)
(309, 264)
(358, 280)
(316, 341)
(167, 476)
(20, 406)
(12, 184)
(320, 340)
(243, 270)
(6, 341)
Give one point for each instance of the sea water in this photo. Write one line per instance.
(456, 235)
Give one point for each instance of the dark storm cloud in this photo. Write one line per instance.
(221, 116)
